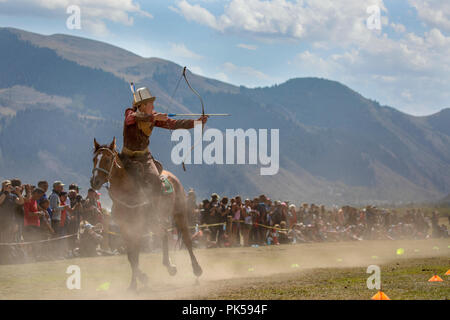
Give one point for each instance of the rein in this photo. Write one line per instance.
(108, 173)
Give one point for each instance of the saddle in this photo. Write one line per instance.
(135, 168)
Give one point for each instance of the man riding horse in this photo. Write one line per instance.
(138, 126)
(134, 168)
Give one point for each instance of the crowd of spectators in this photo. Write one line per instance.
(34, 227)
(261, 221)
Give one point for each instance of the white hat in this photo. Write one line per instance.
(142, 95)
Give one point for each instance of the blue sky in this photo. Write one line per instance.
(406, 64)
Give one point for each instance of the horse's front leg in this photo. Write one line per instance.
(133, 258)
(133, 250)
(181, 224)
(171, 268)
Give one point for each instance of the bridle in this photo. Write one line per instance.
(109, 173)
(113, 162)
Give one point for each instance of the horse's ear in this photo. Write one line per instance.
(112, 146)
(96, 145)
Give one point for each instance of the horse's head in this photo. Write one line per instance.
(105, 157)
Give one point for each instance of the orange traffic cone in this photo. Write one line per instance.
(448, 273)
(435, 278)
(380, 295)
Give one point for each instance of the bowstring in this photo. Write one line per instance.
(183, 75)
(172, 97)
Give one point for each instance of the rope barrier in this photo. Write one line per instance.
(147, 235)
(38, 241)
(262, 225)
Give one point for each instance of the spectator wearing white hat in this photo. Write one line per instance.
(56, 207)
(292, 216)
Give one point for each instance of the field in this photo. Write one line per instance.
(302, 271)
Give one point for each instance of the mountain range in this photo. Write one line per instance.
(58, 92)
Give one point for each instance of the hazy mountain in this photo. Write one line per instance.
(446, 200)
(58, 92)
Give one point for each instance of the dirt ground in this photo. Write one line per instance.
(302, 271)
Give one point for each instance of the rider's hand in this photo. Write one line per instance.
(160, 116)
(203, 119)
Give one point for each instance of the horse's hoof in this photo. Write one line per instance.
(132, 288)
(143, 278)
(197, 270)
(172, 269)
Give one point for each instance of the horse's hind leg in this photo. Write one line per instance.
(182, 226)
(171, 268)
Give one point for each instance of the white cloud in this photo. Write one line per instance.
(94, 13)
(411, 72)
(247, 46)
(197, 70)
(314, 65)
(435, 13)
(222, 77)
(196, 13)
(180, 50)
(97, 27)
(339, 21)
(244, 71)
(406, 94)
(398, 27)
(243, 75)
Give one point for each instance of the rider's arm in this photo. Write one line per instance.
(173, 124)
(131, 117)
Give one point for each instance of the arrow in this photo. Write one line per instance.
(197, 114)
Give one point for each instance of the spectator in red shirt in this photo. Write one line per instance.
(32, 216)
(32, 231)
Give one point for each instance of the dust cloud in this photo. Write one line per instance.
(222, 267)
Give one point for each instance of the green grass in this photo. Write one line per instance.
(404, 280)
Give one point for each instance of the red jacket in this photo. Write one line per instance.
(136, 140)
(30, 206)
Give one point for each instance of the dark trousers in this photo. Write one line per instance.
(57, 245)
(32, 234)
(214, 233)
(57, 228)
(220, 237)
(144, 168)
(254, 235)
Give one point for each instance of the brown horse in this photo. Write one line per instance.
(132, 210)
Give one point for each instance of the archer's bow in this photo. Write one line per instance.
(201, 101)
(197, 94)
